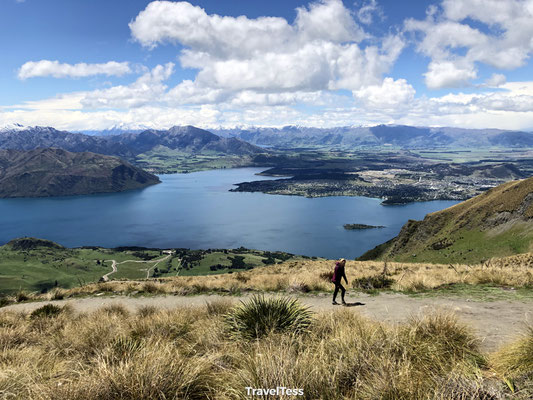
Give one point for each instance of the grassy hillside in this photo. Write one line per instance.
(40, 265)
(57, 172)
(497, 223)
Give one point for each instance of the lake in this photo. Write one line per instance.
(197, 211)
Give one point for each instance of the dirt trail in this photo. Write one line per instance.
(496, 322)
(105, 278)
(114, 264)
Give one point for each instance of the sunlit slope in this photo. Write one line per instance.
(496, 223)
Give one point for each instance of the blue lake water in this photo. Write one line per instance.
(197, 211)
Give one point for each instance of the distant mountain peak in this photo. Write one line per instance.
(13, 127)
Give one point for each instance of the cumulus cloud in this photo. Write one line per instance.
(390, 95)
(391, 101)
(253, 71)
(320, 50)
(449, 74)
(368, 11)
(148, 88)
(495, 80)
(43, 68)
(460, 34)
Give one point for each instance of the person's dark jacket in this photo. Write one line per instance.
(338, 274)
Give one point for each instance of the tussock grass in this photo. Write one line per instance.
(219, 306)
(380, 281)
(262, 315)
(48, 310)
(186, 353)
(514, 364)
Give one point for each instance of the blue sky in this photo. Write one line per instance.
(97, 64)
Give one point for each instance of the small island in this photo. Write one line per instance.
(361, 226)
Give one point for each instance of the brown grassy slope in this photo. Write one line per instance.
(496, 223)
(187, 353)
(310, 275)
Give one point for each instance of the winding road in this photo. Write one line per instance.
(114, 264)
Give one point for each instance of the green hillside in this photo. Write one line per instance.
(496, 223)
(32, 264)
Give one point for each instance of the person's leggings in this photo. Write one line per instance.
(337, 287)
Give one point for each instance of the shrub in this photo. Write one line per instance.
(299, 287)
(21, 296)
(150, 287)
(326, 276)
(57, 294)
(260, 316)
(380, 281)
(48, 310)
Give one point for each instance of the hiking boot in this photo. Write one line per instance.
(344, 303)
(335, 303)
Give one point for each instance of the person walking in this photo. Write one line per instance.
(338, 274)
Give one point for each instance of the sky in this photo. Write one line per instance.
(99, 64)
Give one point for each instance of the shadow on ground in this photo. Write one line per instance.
(351, 304)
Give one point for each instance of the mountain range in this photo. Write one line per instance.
(237, 141)
(402, 136)
(57, 172)
(127, 145)
(497, 223)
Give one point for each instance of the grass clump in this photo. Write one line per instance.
(48, 310)
(514, 365)
(439, 339)
(373, 282)
(219, 306)
(262, 315)
(21, 296)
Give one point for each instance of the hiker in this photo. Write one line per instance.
(338, 274)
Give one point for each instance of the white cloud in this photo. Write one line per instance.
(327, 21)
(394, 95)
(320, 50)
(392, 101)
(368, 10)
(43, 68)
(449, 74)
(148, 88)
(496, 80)
(501, 38)
(269, 71)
